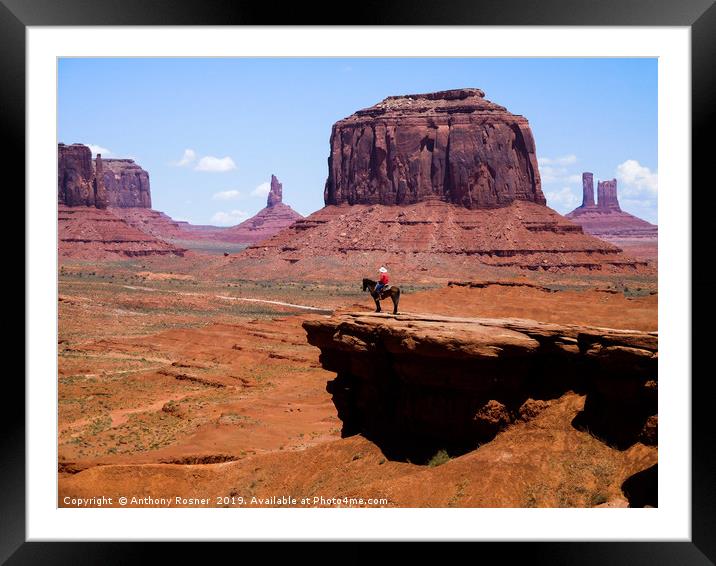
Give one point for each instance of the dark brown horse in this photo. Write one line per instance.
(392, 292)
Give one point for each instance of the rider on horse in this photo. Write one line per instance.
(382, 282)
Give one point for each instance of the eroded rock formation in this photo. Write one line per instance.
(275, 195)
(587, 190)
(607, 195)
(127, 184)
(267, 222)
(436, 184)
(417, 383)
(102, 183)
(453, 146)
(92, 197)
(606, 219)
(75, 175)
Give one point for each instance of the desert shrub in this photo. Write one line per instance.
(441, 456)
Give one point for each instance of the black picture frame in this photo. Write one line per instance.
(698, 15)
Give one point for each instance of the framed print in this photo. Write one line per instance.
(402, 278)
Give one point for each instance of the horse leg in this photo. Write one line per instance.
(377, 305)
(396, 298)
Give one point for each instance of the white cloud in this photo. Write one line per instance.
(229, 218)
(558, 175)
(644, 209)
(564, 199)
(550, 174)
(555, 170)
(207, 163)
(262, 190)
(563, 160)
(227, 195)
(561, 185)
(637, 180)
(95, 149)
(215, 164)
(188, 157)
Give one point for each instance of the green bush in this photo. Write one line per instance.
(441, 456)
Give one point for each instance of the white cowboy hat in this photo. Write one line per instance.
(383, 270)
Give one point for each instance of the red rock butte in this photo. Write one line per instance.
(454, 145)
(605, 218)
(93, 196)
(267, 222)
(102, 183)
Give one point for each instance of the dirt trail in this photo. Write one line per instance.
(231, 298)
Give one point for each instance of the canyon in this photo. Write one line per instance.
(415, 384)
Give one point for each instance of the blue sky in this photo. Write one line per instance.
(244, 119)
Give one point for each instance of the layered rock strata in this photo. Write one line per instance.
(414, 383)
(91, 233)
(454, 146)
(438, 238)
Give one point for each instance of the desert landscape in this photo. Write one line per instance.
(243, 366)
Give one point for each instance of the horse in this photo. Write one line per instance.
(392, 292)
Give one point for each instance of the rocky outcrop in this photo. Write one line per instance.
(75, 175)
(101, 199)
(127, 184)
(416, 383)
(607, 195)
(267, 222)
(587, 190)
(275, 195)
(453, 146)
(606, 219)
(92, 195)
(102, 183)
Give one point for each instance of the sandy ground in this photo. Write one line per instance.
(167, 381)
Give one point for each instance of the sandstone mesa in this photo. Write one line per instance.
(453, 145)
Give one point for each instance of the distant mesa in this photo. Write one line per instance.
(605, 218)
(102, 183)
(454, 146)
(93, 195)
(105, 211)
